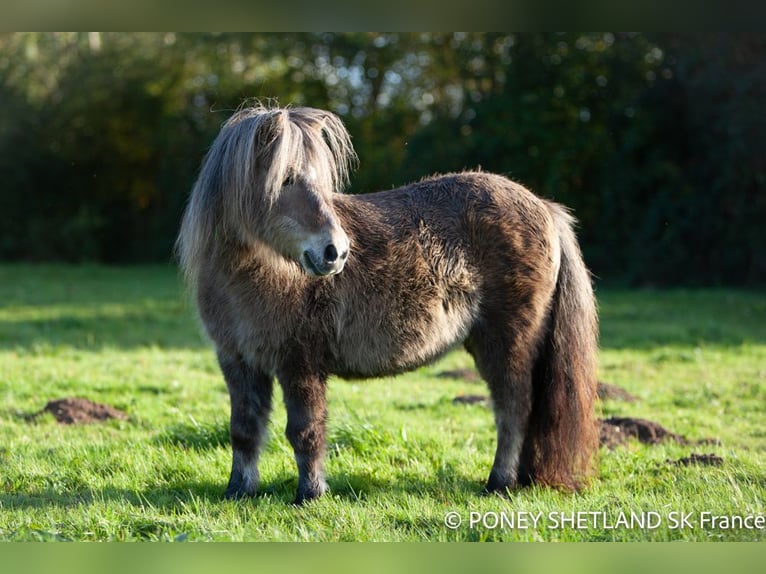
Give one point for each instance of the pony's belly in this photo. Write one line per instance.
(393, 347)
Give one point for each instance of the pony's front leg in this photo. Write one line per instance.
(306, 420)
(250, 393)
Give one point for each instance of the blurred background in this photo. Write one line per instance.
(656, 141)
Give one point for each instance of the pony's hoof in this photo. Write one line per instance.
(305, 495)
(300, 500)
(233, 493)
(500, 487)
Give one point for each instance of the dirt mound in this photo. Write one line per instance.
(616, 431)
(614, 393)
(75, 411)
(703, 459)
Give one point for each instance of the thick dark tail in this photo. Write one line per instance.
(562, 439)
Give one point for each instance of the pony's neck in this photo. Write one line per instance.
(264, 259)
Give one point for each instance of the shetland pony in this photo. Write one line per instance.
(297, 282)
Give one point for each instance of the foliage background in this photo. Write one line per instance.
(656, 141)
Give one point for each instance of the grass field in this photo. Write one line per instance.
(402, 455)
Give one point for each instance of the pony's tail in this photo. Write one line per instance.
(563, 434)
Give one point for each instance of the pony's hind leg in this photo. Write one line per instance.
(250, 393)
(512, 403)
(306, 407)
(507, 368)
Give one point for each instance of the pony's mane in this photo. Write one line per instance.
(256, 151)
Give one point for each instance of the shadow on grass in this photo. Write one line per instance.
(175, 498)
(352, 487)
(356, 486)
(166, 327)
(168, 498)
(166, 513)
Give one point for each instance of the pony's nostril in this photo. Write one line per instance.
(330, 254)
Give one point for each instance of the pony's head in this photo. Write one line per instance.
(268, 181)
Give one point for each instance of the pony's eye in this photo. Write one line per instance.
(289, 180)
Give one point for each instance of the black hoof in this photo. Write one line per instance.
(503, 487)
(525, 479)
(308, 494)
(237, 493)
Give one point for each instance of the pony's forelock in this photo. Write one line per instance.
(285, 142)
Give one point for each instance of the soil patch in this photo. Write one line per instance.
(616, 431)
(614, 393)
(76, 411)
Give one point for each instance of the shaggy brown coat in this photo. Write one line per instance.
(296, 282)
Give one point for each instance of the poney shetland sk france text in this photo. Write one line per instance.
(585, 520)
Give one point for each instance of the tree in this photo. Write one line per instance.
(655, 141)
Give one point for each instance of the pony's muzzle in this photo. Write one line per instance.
(328, 260)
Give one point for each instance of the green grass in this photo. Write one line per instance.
(401, 454)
